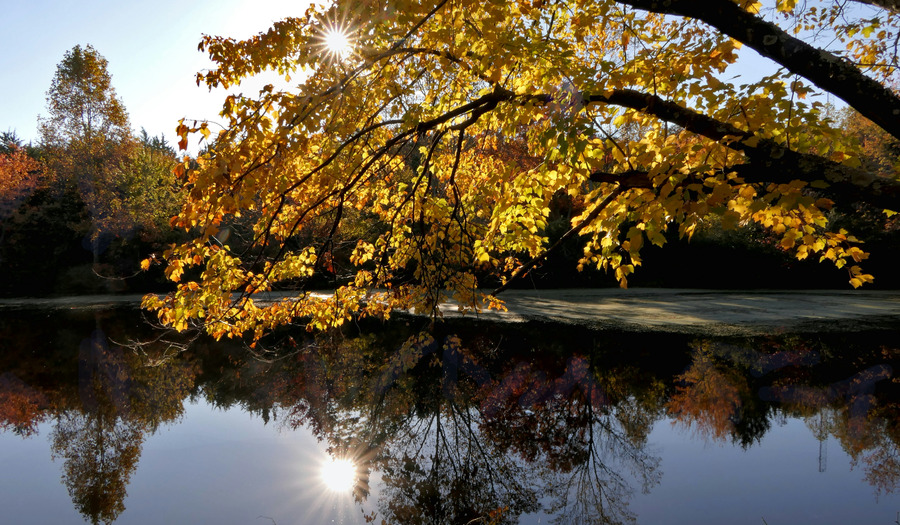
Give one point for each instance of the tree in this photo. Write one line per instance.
(115, 187)
(84, 110)
(140, 191)
(9, 142)
(880, 150)
(85, 136)
(623, 105)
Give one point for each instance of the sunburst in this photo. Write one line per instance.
(339, 475)
(337, 42)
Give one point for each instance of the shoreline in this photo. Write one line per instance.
(707, 311)
(738, 312)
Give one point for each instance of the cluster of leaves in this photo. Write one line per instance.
(20, 176)
(620, 104)
(21, 407)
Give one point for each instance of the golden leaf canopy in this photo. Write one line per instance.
(422, 163)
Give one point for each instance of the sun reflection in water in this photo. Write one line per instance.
(339, 475)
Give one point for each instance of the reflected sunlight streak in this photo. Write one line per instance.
(339, 475)
(313, 492)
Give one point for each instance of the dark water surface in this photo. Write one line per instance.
(510, 423)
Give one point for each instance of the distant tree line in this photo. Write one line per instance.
(79, 210)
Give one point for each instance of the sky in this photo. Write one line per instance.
(151, 48)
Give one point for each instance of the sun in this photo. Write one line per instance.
(339, 475)
(337, 42)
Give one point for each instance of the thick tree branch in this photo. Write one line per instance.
(626, 179)
(829, 72)
(881, 193)
(769, 161)
(844, 193)
(886, 4)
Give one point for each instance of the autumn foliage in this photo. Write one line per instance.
(20, 176)
(434, 149)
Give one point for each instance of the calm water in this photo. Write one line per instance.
(516, 423)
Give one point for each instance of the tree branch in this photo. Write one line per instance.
(893, 5)
(575, 230)
(827, 71)
(842, 193)
(769, 161)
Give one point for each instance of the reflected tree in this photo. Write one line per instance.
(461, 426)
(459, 434)
(100, 446)
(100, 451)
(589, 444)
(708, 399)
(841, 389)
(715, 399)
(121, 401)
(866, 428)
(412, 414)
(446, 471)
(881, 463)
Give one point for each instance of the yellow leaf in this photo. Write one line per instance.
(751, 141)
(752, 7)
(730, 219)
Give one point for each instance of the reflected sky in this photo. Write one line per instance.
(447, 424)
(215, 466)
(778, 481)
(187, 475)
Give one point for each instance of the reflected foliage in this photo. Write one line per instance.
(709, 397)
(99, 452)
(461, 421)
(20, 406)
(100, 399)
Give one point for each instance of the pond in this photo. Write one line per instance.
(529, 422)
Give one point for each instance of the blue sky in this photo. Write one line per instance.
(151, 48)
(152, 52)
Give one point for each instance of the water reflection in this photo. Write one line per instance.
(462, 421)
(339, 474)
(101, 405)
